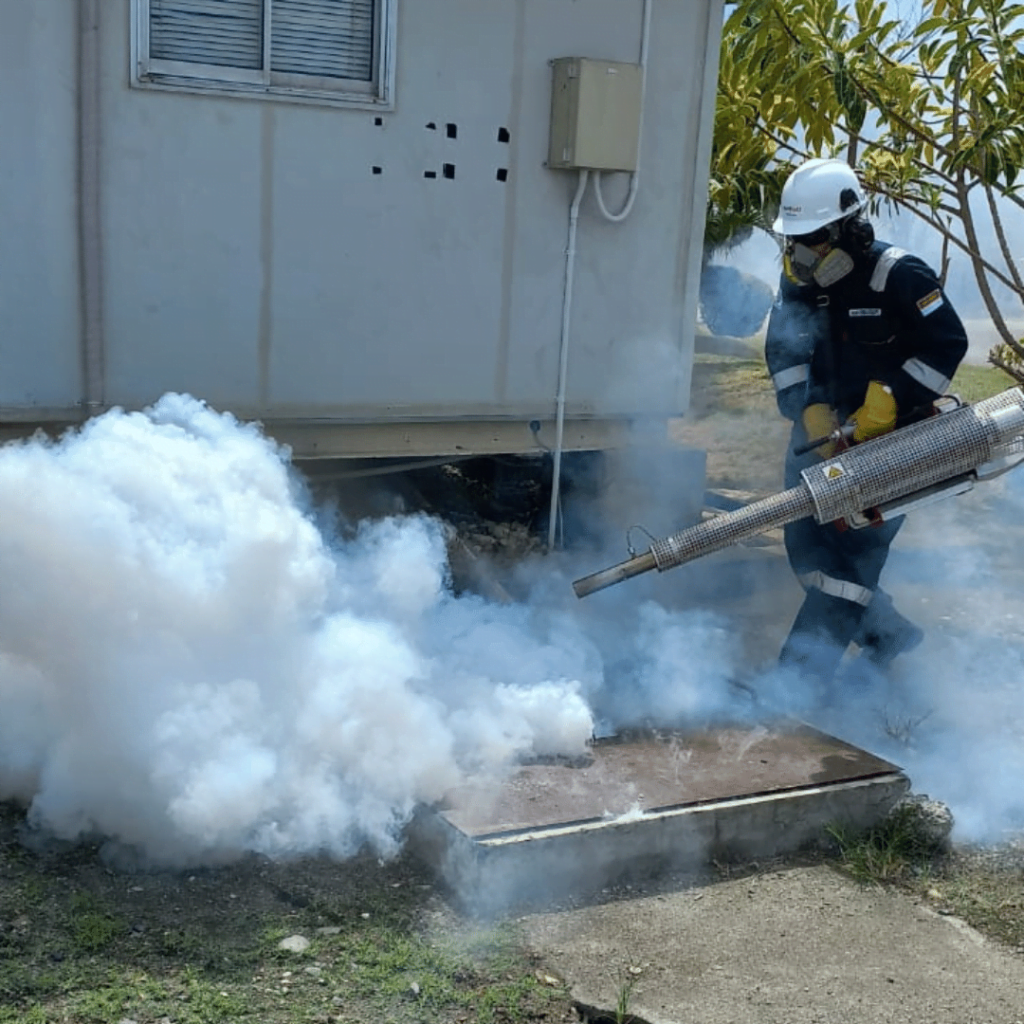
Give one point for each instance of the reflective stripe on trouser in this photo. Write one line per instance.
(843, 589)
(840, 570)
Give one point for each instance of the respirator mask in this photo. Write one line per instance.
(815, 259)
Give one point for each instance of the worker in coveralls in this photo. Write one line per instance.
(861, 339)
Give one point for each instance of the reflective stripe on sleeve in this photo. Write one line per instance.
(793, 375)
(926, 376)
(885, 263)
(843, 589)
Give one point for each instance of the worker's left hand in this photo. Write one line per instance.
(877, 415)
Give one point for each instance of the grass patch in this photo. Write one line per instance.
(92, 926)
(730, 384)
(892, 851)
(738, 381)
(81, 943)
(973, 383)
(481, 976)
(731, 376)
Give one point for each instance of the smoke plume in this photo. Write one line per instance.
(190, 668)
(187, 668)
(952, 714)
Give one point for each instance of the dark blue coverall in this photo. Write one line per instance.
(888, 320)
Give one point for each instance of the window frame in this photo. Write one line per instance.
(214, 79)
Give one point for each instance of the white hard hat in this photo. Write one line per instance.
(817, 193)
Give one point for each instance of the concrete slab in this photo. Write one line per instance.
(645, 803)
(794, 944)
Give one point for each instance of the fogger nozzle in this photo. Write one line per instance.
(616, 574)
(925, 460)
(704, 538)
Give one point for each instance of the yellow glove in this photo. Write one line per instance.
(820, 420)
(877, 415)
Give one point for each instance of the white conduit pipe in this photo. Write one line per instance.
(634, 178)
(570, 264)
(563, 363)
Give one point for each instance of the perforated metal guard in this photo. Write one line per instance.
(883, 470)
(916, 457)
(1008, 420)
(732, 528)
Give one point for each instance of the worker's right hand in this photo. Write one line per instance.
(820, 420)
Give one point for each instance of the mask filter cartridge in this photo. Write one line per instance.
(822, 265)
(833, 267)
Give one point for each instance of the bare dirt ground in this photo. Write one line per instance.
(733, 418)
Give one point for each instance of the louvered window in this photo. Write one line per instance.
(319, 50)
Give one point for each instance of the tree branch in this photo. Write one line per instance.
(970, 230)
(1004, 245)
(1012, 372)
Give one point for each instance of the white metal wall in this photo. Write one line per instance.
(253, 258)
(39, 293)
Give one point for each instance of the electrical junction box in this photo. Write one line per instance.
(595, 114)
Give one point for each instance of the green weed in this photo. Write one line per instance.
(32, 1015)
(622, 1002)
(93, 927)
(889, 852)
(20, 981)
(183, 943)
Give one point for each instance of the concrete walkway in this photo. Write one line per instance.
(800, 945)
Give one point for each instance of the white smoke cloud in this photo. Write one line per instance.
(188, 669)
(957, 700)
(950, 712)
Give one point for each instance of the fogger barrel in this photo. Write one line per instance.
(900, 466)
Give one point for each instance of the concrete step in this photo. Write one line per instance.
(642, 804)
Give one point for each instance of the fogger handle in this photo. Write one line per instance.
(803, 449)
(842, 434)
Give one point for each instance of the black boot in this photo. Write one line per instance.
(884, 634)
(819, 636)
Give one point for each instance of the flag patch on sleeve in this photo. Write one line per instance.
(931, 302)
